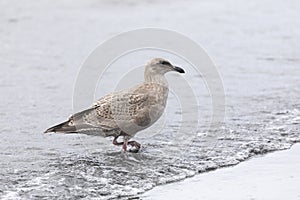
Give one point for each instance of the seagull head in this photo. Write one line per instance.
(161, 66)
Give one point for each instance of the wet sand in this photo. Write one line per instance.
(272, 176)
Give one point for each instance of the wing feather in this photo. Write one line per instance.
(119, 107)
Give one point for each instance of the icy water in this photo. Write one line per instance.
(254, 44)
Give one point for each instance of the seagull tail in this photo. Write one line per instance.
(65, 127)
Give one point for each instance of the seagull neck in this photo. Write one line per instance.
(156, 78)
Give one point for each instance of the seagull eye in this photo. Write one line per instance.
(165, 62)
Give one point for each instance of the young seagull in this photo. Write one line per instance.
(126, 112)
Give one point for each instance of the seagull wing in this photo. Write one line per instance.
(107, 113)
(118, 108)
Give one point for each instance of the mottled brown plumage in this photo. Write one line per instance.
(125, 112)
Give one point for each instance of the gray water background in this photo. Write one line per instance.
(254, 44)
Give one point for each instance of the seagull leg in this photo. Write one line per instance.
(115, 142)
(125, 143)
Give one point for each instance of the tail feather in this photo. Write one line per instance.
(77, 123)
(65, 127)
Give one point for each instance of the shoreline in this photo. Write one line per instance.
(275, 175)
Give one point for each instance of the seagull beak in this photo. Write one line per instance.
(178, 69)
